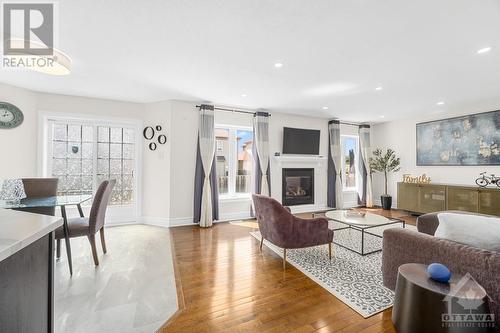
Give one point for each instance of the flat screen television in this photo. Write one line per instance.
(300, 141)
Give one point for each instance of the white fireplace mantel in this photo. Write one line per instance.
(319, 160)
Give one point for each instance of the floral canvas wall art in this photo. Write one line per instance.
(466, 140)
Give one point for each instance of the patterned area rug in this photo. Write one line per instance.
(354, 279)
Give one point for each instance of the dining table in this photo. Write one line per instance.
(61, 201)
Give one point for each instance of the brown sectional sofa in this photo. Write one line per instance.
(401, 246)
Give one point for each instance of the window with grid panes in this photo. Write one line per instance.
(83, 155)
(115, 160)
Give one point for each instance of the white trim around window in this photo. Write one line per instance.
(232, 196)
(356, 159)
(116, 213)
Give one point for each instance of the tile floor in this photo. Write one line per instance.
(132, 290)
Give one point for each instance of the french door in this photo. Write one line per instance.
(83, 153)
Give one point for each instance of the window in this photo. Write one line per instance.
(222, 159)
(350, 154)
(82, 155)
(73, 158)
(115, 160)
(244, 140)
(234, 160)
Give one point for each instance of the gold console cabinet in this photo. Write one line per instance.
(427, 198)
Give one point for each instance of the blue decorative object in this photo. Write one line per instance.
(439, 272)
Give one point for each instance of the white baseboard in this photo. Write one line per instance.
(118, 221)
(180, 221)
(235, 216)
(184, 221)
(156, 221)
(167, 222)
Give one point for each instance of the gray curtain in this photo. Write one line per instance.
(365, 194)
(261, 153)
(206, 198)
(335, 196)
(258, 172)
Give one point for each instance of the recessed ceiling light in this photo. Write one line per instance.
(440, 103)
(484, 50)
(325, 107)
(278, 65)
(382, 116)
(243, 95)
(379, 88)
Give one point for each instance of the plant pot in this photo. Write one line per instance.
(386, 201)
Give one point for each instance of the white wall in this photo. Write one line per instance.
(401, 136)
(156, 166)
(184, 136)
(168, 172)
(277, 122)
(184, 131)
(19, 146)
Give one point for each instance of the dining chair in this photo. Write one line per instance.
(89, 226)
(40, 188)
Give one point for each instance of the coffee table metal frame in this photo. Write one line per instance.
(362, 229)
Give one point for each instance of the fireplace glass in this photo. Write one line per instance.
(297, 186)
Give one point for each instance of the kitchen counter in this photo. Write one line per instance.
(19, 229)
(27, 271)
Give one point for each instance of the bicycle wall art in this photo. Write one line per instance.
(485, 180)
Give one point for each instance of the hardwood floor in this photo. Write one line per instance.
(225, 284)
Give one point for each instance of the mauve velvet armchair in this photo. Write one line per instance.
(278, 226)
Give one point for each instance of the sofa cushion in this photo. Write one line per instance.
(479, 231)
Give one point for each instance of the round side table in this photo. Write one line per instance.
(424, 305)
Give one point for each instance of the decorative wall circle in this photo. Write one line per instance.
(148, 133)
(152, 133)
(162, 139)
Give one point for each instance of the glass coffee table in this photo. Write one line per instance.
(362, 223)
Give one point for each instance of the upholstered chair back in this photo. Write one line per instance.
(40, 188)
(100, 205)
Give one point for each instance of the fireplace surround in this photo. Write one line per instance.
(297, 186)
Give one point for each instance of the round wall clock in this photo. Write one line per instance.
(10, 116)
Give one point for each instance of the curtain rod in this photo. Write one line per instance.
(352, 124)
(234, 110)
(253, 112)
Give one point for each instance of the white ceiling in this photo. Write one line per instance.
(335, 53)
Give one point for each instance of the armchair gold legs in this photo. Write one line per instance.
(330, 252)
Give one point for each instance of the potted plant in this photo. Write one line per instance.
(385, 162)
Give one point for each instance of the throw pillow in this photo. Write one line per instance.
(479, 231)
